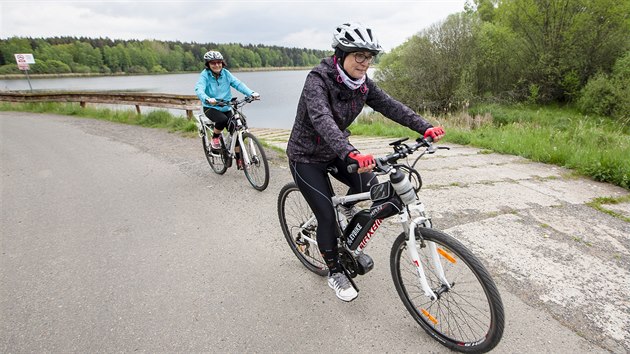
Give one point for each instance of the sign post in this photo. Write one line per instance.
(22, 62)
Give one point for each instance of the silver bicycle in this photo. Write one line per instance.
(239, 140)
(445, 288)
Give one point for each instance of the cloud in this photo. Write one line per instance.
(299, 23)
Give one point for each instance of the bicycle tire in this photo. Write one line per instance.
(217, 162)
(293, 212)
(257, 171)
(469, 316)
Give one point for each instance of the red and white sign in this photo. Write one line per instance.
(23, 60)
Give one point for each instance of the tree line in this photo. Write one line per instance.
(539, 51)
(60, 55)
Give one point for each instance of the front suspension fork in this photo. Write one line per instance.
(413, 251)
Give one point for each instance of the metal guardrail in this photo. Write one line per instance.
(189, 103)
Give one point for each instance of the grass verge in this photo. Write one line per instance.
(153, 119)
(596, 147)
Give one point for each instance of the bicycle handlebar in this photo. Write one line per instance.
(235, 102)
(400, 150)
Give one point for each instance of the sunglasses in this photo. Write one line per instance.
(216, 62)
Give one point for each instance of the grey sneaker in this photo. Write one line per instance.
(342, 286)
(349, 211)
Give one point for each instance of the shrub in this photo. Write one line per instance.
(598, 96)
(609, 95)
(57, 67)
(137, 69)
(9, 69)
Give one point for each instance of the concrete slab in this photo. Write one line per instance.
(531, 225)
(543, 259)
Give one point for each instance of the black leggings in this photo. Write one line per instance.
(219, 118)
(312, 180)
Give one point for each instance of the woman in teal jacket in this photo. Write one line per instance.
(213, 86)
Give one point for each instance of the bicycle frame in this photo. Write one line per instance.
(240, 123)
(409, 228)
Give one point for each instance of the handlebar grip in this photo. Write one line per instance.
(353, 168)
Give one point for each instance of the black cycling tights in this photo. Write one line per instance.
(219, 118)
(312, 180)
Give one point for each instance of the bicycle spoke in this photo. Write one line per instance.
(461, 315)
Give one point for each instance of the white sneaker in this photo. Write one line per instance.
(342, 286)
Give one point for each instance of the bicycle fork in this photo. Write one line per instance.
(434, 252)
(238, 138)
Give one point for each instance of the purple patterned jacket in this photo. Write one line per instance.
(326, 109)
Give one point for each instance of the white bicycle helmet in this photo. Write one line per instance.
(355, 37)
(213, 55)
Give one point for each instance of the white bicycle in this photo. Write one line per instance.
(238, 140)
(445, 288)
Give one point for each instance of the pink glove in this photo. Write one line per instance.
(360, 159)
(436, 133)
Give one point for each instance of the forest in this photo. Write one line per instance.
(67, 55)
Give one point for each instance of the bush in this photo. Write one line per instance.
(608, 95)
(9, 69)
(82, 69)
(57, 67)
(158, 69)
(137, 69)
(598, 96)
(621, 75)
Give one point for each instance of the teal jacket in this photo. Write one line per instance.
(219, 88)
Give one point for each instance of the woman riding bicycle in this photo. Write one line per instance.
(334, 94)
(213, 86)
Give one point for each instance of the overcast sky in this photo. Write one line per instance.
(296, 23)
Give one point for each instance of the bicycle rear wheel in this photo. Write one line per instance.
(298, 225)
(469, 316)
(256, 169)
(217, 160)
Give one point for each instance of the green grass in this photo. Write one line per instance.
(597, 147)
(154, 119)
(599, 204)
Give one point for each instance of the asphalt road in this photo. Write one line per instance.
(118, 238)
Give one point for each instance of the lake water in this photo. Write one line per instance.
(279, 90)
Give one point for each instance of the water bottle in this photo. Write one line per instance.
(403, 187)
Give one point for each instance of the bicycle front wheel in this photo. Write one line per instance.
(468, 316)
(299, 226)
(257, 168)
(217, 160)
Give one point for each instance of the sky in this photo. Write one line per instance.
(288, 23)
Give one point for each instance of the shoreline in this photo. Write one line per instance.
(74, 75)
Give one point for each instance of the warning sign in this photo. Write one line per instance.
(23, 60)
